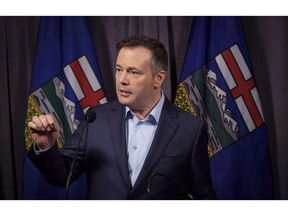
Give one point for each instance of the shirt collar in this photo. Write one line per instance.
(155, 113)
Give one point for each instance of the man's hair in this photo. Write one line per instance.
(159, 53)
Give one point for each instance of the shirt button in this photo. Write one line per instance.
(134, 147)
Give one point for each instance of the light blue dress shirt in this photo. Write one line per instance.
(140, 134)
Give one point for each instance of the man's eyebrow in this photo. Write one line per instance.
(132, 68)
(129, 68)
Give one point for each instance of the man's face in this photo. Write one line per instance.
(136, 86)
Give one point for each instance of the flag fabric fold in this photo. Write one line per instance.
(217, 85)
(66, 82)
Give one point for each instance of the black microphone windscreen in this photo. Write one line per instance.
(90, 116)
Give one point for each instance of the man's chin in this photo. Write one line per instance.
(123, 101)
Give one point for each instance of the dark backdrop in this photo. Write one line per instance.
(267, 42)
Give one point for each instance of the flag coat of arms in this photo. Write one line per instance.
(66, 82)
(217, 85)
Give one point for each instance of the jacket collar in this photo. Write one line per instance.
(167, 126)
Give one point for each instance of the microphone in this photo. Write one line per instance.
(89, 117)
(181, 186)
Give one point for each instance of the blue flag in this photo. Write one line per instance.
(66, 81)
(217, 84)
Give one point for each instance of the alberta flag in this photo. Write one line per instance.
(66, 81)
(217, 84)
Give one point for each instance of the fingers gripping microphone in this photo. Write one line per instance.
(89, 117)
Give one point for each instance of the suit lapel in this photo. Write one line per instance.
(117, 129)
(167, 127)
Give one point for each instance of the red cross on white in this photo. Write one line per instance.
(241, 83)
(84, 83)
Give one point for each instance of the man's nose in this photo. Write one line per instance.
(124, 77)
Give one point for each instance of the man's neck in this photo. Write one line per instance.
(143, 113)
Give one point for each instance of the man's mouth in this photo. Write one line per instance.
(124, 93)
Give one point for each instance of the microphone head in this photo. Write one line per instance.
(90, 115)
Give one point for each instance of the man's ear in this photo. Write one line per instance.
(159, 79)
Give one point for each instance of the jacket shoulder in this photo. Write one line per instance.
(180, 113)
(107, 106)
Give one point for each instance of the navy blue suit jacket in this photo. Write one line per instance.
(178, 152)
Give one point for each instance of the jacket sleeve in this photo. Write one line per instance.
(200, 167)
(51, 165)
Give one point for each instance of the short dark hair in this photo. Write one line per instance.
(159, 53)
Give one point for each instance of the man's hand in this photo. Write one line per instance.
(44, 130)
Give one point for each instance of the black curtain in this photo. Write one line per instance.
(268, 46)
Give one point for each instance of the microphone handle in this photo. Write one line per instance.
(73, 162)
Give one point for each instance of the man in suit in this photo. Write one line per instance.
(140, 141)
